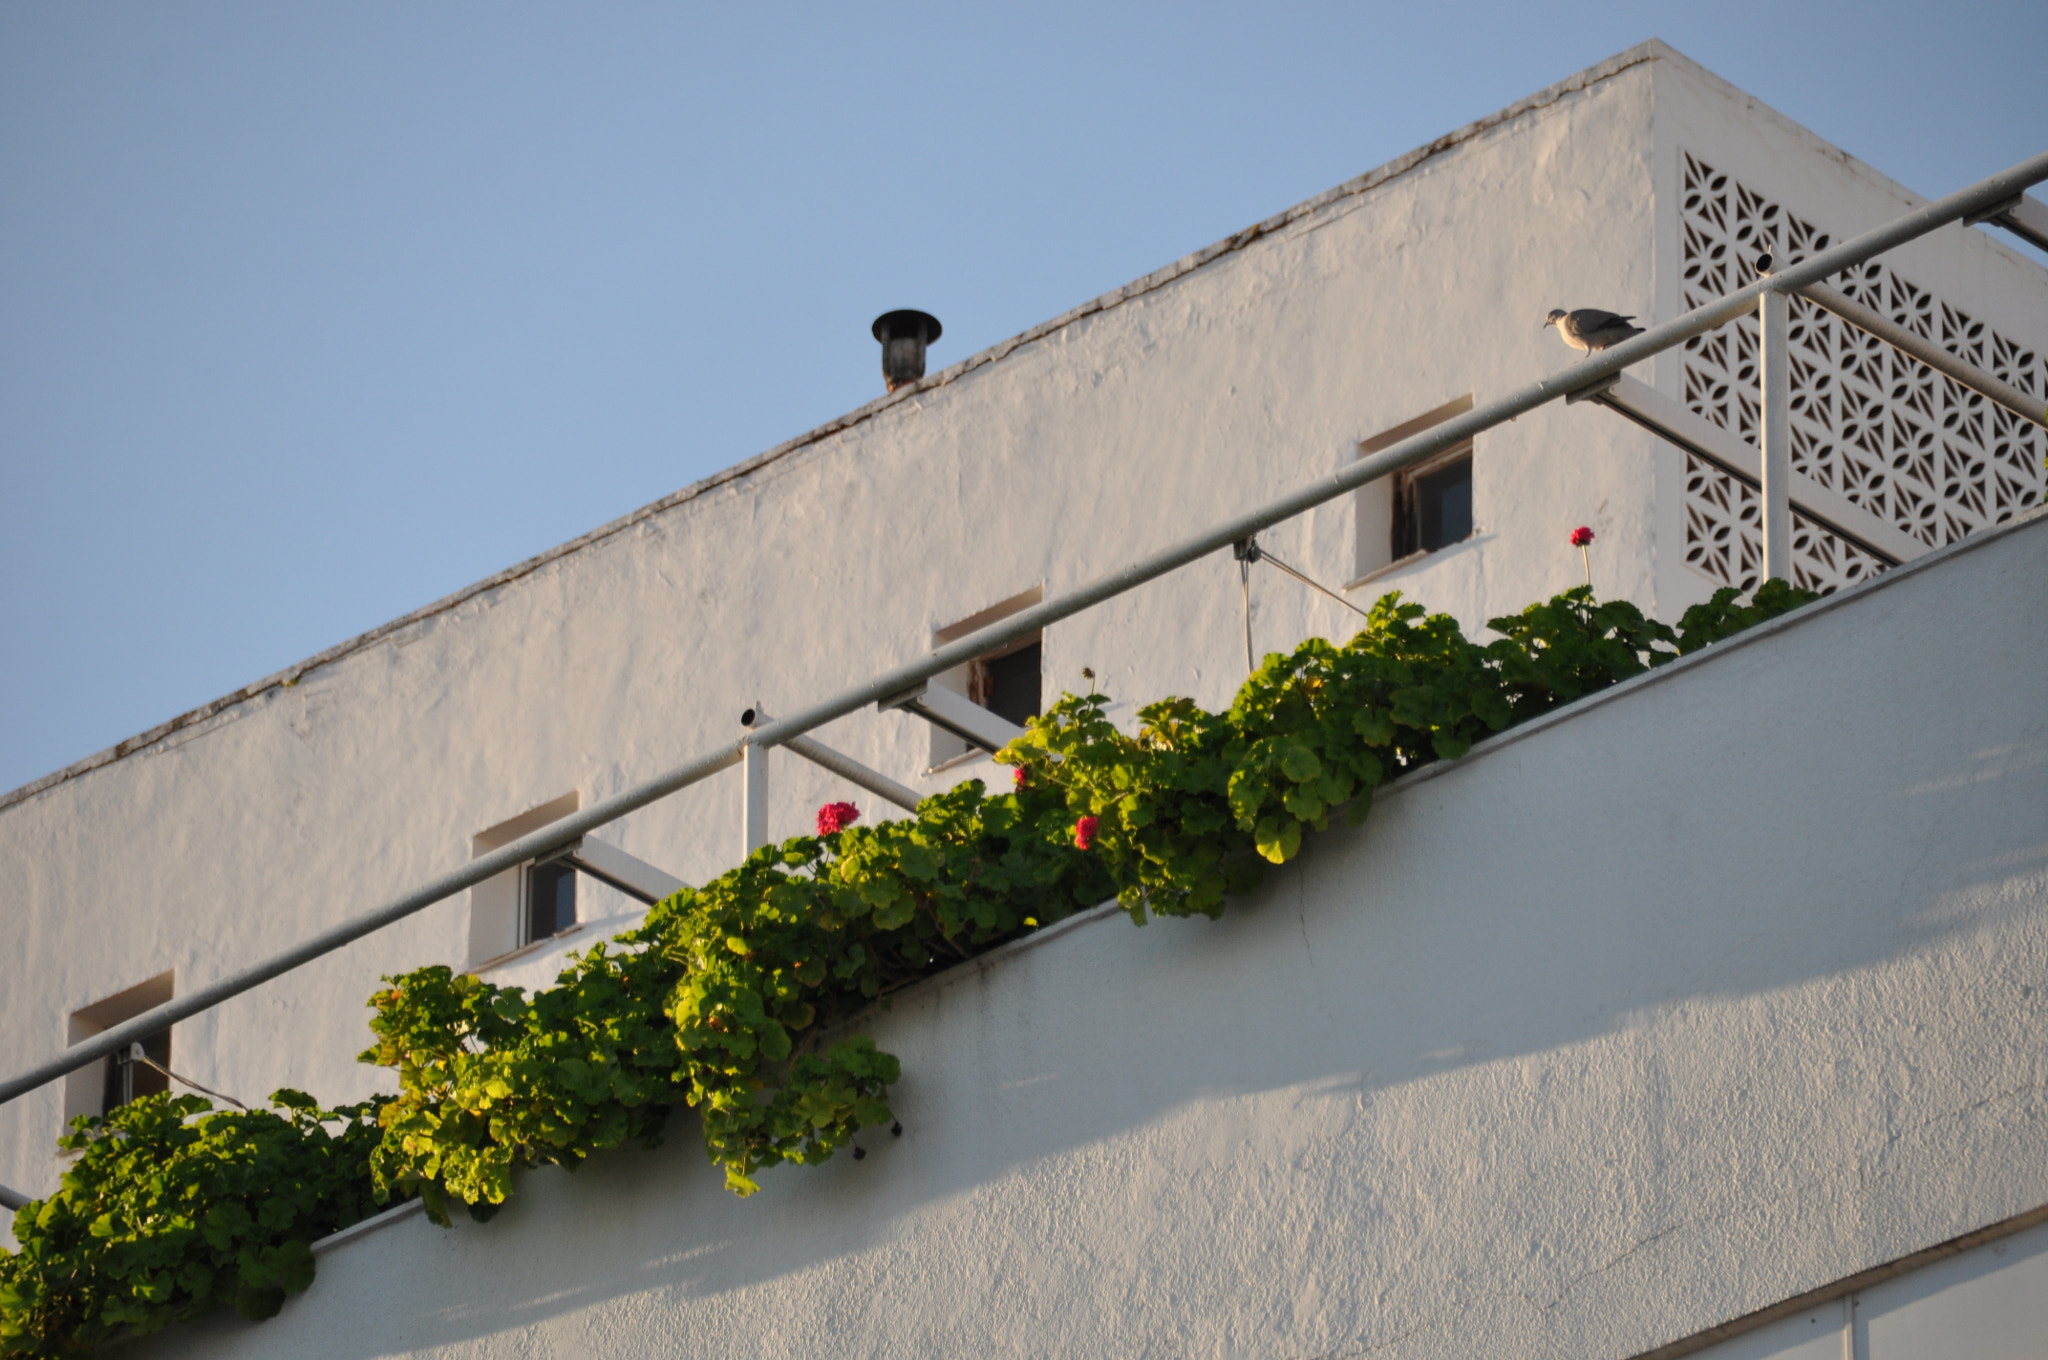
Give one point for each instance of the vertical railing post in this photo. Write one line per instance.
(754, 798)
(1774, 369)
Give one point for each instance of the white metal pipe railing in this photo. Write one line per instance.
(853, 772)
(845, 766)
(1774, 430)
(1927, 352)
(955, 713)
(624, 873)
(753, 799)
(1678, 424)
(2022, 216)
(1590, 371)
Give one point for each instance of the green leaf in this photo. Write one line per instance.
(1375, 726)
(1305, 803)
(1450, 746)
(1299, 763)
(896, 914)
(1278, 839)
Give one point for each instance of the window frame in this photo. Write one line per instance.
(86, 1090)
(1378, 505)
(1406, 528)
(972, 679)
(557, 872)
(500, 907)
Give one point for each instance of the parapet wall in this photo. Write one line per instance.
(1698, 995)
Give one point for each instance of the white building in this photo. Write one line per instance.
(1714, 997)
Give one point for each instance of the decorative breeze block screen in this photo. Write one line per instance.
(1904, 442)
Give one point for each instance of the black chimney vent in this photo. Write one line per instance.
(904, 335)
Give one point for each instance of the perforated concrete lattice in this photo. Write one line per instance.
(1910, 445)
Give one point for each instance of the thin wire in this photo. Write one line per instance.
(1266, 555)
(136, 1054)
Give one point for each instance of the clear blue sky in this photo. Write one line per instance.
(310, 314)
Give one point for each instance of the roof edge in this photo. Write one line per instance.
(1649, 51)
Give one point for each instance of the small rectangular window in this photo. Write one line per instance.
(1433, 507)
(1009, 681)
(530, 902)
(550, 900)
(1417, 510)
(117, 1079)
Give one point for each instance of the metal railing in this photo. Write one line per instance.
(1589, 377)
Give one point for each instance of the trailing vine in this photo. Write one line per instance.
(728, 998)
(173, 1209)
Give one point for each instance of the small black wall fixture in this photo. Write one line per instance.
(904, 335)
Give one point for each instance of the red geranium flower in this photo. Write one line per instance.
(1017, 778)
(836, 817)
(1581, 536)
(1084, 832)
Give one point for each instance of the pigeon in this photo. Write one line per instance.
(1589, 328)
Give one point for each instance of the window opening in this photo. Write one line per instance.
(1009, 684)
(1433, 508)
(550, 900)
(525, 904)
(1417, 510)
(1008, 681)
(118, 1079)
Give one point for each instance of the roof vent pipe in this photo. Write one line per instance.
(904, 334)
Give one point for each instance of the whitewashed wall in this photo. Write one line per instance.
(1220, 382)
(1132, 423)
(1720, 987)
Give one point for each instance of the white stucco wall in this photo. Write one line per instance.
(1219, 382)
(1720, 987)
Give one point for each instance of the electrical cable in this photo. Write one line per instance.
(135, 1054)
(1265, 554)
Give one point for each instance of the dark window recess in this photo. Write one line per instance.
(1008, 685)
(129, 1080)
(550, 900)
(1433, 509)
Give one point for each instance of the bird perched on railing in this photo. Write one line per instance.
(1589, 328)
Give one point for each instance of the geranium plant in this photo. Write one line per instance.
(741, 999)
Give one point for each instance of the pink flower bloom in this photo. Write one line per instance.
(836, 817)
(1581, 536)
(1017, 778)
(1084, 832)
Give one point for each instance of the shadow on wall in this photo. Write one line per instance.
(1835, 806)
